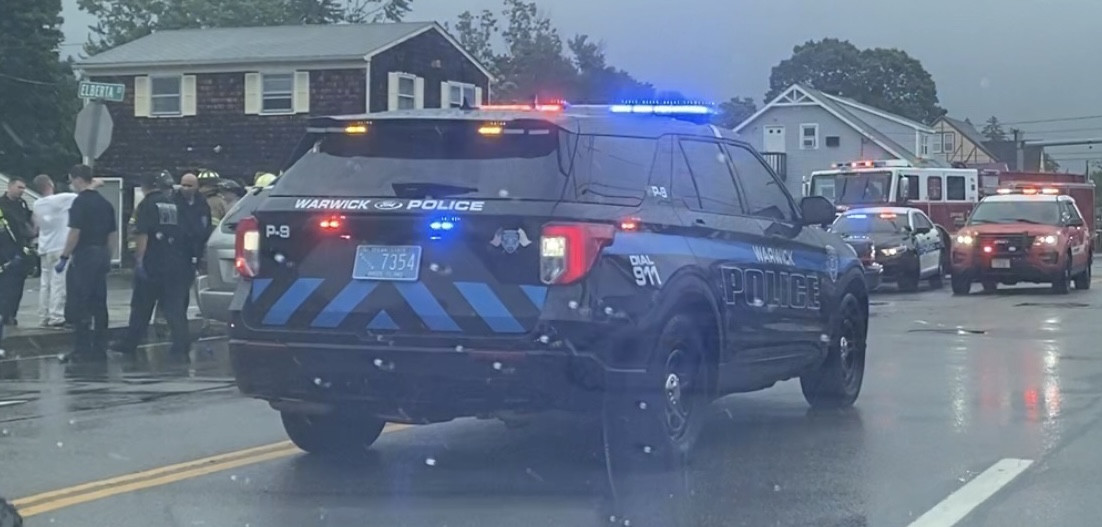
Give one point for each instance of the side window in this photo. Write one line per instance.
(1073, 211)
(954, 190)
(710, 172)
(682, 186)
(920, 221)
(765, 196)
(661, 169)
(933, 188)
(613, 169)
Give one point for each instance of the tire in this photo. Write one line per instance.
(909, 283)
(9, 516)
(937, 281)
(962, 285)
(1062, 282)
(1083, 280)
(332, 435)
(990, 286)
(662, 412)
(836, 383)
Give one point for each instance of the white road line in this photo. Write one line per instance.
(954, 508)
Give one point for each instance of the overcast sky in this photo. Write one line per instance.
(1011, 58)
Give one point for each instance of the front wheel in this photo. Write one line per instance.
(1061, 283)
(836, 383)
(937, 281)
(962, 285)
(333, 434)
(908, 281)
(1083, 280)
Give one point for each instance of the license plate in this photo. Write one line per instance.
(387, 262)
(1000, 263)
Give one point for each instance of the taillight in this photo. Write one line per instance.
(568, 250)
(247, 247)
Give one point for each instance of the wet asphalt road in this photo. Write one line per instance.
(953, 386)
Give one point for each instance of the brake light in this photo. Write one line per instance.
(987, 249)
(569, 250)
(630, 225)
(331, 223)
(247, 247)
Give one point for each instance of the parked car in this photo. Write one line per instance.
(217, 286)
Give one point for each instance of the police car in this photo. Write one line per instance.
(425, 265)
(902, 240)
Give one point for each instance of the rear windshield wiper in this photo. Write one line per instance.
(424, 190)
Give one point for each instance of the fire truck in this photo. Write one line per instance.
(946, 195)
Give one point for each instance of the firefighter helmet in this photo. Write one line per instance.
(265, 179)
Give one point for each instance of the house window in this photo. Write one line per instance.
(458, 92)
(809, 136)
(165, 95)
(949, 142)
(278, 93)
(936, 147)
(923, 144)
(833, 141)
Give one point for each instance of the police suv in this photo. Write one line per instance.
(425, 265)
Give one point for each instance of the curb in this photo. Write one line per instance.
(53, 342)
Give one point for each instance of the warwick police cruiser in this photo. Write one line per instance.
(425, 265)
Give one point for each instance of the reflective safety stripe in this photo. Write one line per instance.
(291, 300)
(489, 307)
(425, 305)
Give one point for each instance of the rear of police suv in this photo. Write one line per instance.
(417, 269)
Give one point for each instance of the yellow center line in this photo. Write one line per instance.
(94, 490)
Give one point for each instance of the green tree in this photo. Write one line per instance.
(530, 58)
(37, 91)
(993, 130)
(735, 111)
(120, 21)
(1050, 163)
(888, 79)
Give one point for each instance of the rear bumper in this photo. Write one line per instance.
(417, 385)
(214, 304)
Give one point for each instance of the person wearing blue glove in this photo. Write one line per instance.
(163, 264)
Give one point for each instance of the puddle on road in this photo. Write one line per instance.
(1052, 304)
(949, 331)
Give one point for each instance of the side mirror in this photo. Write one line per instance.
(816, 210)
(1077, 222)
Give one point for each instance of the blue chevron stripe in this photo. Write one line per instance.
(343, 304)
(489, 307)
(425, 305)
(382, 321)
(291, 300)
(536, 293)
(258, 287)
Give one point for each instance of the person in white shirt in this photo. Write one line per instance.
(51, 216)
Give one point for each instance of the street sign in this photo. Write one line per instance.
(93, 130)
(100, 90)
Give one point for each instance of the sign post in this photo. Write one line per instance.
(94, 124)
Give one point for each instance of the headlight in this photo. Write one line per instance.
(964, 239)
(1047, 240)
(894, 250)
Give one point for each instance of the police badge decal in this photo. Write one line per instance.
(510, 240)
(832, 263)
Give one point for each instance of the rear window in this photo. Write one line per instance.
(526, 160)
(421, 158)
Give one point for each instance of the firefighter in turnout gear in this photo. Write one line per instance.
(163, 268)
(208, 187)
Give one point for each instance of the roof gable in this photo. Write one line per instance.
(800, 95)
(966, 129)
(259, 45)
(861, 107)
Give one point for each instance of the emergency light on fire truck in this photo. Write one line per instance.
(1028, 191)
(879, 163)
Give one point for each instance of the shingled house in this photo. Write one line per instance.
(236, 100)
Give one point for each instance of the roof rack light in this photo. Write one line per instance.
(662, 109)
(540, 107)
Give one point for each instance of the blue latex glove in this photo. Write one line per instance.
(61, 263)
(139, 270)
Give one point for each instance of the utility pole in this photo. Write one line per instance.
(1019, 150)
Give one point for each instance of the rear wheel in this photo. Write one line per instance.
(937, 281)
(1083, 280)
(962, 285)
(1062, 281)
(836, 383)
(990, 286)
(332, 435)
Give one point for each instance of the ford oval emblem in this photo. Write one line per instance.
(388, 204)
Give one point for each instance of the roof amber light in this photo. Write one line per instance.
(888, 215)
(491, 129)
(355, 129)
(1003, 191)
(1050, 191)
(1029, 191)
(629, 225)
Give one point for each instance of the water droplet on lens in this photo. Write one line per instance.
(459, 348)
(503, 193)
(545, 339)
(642, 405)
(60, 444)
(430, 462)
(317, 381)
(497, 366)
(573, 304)
(434, 267)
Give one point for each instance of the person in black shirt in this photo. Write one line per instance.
(92, 230)
(164, 268)
(17, 216)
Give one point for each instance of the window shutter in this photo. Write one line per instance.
(392, 91)
(187, 96)
(419, 93)
(477, 96)
(302, 92)
(445, 95)
(141, 97)
(252, 93)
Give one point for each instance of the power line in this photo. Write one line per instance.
(26, 81)
(1056, 120)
